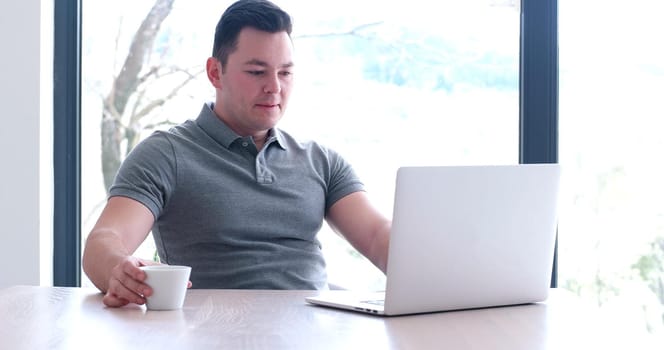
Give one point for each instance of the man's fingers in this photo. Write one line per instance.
(111, 300)
(128, 289)
(135, 286)
(130, 277)
(129, 268)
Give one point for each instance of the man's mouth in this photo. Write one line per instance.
(263, 105)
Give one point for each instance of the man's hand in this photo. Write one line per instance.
(126, 283)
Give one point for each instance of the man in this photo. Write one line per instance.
(228, 193)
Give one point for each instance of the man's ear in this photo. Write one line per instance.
(213, 67)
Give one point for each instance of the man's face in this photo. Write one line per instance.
(254, 87)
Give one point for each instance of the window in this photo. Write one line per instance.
(385, 85)
(611, 229)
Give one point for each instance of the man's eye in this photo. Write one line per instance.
(255, 72)
(286, 73)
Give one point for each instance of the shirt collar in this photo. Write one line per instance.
(221, 133)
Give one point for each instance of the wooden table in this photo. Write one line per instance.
(75, 318)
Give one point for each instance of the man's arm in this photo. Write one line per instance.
(363, 226)
(122, 226)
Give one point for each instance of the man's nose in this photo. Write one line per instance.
(272, 84)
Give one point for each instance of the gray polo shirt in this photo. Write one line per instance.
(240, 218)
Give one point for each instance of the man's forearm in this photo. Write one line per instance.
(380, 247)
(103, 251)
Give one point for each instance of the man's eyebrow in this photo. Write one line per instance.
(257, 62)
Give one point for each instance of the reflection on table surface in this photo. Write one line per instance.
(72, 318)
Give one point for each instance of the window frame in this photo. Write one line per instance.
(67, 144)
(538, 118)
(538, 89)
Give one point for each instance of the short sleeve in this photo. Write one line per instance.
(342, 181)
(148, 174)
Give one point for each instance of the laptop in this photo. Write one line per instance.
(465, 237)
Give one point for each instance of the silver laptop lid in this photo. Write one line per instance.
(471, 236)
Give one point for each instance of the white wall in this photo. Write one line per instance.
(25, 159)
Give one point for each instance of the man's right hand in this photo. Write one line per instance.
(107, 259)
(125, 284)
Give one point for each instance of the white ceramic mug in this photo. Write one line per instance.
(169, 286)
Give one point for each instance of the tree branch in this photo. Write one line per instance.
(127, 81)
(137, 116)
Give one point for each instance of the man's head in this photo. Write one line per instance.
(258, 14)
(252, 67)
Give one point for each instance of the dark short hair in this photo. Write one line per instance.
(258, 14)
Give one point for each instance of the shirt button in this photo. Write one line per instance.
(245, 144)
